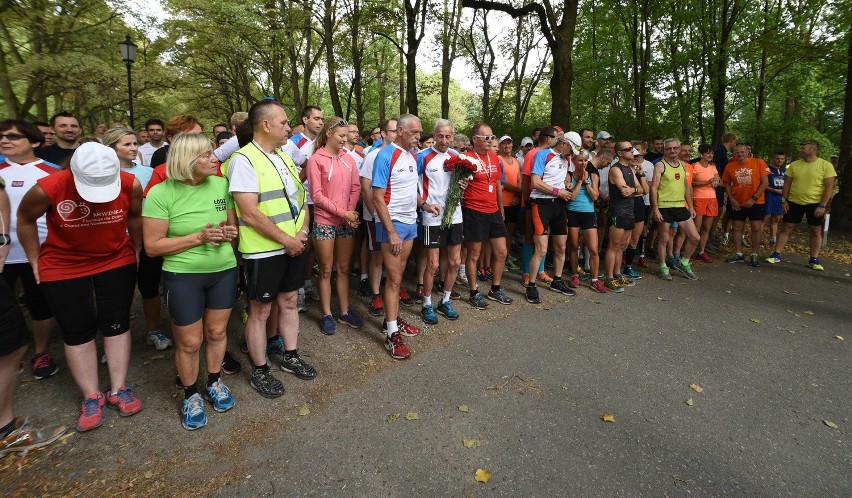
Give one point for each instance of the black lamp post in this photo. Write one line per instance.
(128, 53)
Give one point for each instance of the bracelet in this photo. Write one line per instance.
(555, 192)
(821, 206)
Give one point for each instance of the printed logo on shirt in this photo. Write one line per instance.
(71, 211)
(18, 183)
(220, 204)
(743, 176)
(677, 176)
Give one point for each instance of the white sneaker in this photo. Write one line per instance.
(301, 307)
(159, 340)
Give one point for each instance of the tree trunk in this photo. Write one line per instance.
(330, 58)
(841, 207)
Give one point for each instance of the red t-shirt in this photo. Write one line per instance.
(481, 193)
(84, 238)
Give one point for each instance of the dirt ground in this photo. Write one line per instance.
(150, 454)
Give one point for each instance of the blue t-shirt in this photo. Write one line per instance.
(583, 203)
(142, 173)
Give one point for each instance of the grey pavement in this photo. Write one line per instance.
(536, 380)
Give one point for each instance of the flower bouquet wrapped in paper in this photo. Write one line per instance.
(462, 170)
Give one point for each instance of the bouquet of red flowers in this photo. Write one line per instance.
(462, 171)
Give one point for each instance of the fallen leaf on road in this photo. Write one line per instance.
(790, 311)
(689, 402)
(830, 424)
(157, 357)
(659, 298)
(304, 411)
(412, 416)
(755, 320)
(393, 417)
(797, 315)
(839, 337)
(727, 292)
(697, 388)
(482, 475)
(464, 408)
(786, 292)
(148, 474)
(608, 417)
(564, 386)
(470, 443)
(808, 312)
(370, 362)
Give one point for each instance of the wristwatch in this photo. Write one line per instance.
(5, 240)
(821, 206)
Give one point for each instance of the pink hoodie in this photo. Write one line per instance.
(335, 186)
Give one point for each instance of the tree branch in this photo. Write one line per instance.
(515, 12)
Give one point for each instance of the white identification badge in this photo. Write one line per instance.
(490, 188)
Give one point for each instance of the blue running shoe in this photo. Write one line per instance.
(630, 272)
(273, 347)
(220, 396)
(351, 319)
(328, 326)
(427, 312)
(446, 309)
(193, 413)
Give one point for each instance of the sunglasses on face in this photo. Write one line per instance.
(626, 149)
(12, 136)
(486, 137)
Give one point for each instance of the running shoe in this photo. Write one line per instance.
(446, 309)
(512, 263)
(630, 272)
(296, 366)
(377, 306)
(91, 413)
(351, 319)
(327, 325)
(220, 396)
(455, 296)
(703, 256)
(301, 306)
(643, 263)
(525, 280)
(813, 264)
(686, 269)
(752, 260)
(499, 296)
(124, 401)
(544, 277)
(23, 439)
(44, 366)
(311, 291)
(418, 294)
(597, 286)
(275, 346)
(672, 262)
(266, 384)
(664, 273)
(559, 286)
(405, 297)
(159, 340)
(774, 258)
(613, 286)
(477, 301)
(396, 347)
(364, 287)
(230, 365)
(193, 413)
(481, 275)
(736, 258)
(427, 313)
(624, 281)
(489, 274)
(532, 295)
(407, 329)
(461, 279)
(574, 281)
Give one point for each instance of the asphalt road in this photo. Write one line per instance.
(761, 344)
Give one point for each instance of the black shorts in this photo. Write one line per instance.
(622, 222)
(640, 210)
(33, 296)
(549, 217)
(14, 333)
(675, 215)
(148, 275)
(512, 213)
(267, 277)
(582, 220)
(796, 211)
(189, 294)
(435, 236)
(84, 305)
(754, 213)
(479, 227)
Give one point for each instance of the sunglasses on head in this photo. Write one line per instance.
(338, 124)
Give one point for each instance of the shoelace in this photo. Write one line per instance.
(90, 406)
(42, 361)
(195, 405)
(219, 390)
(159, 336)
(125, 395)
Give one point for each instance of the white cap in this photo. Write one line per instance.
(526, 141)
(505, 137)
(95, 169)
(636, 152)
(575, 140)
(604, 135)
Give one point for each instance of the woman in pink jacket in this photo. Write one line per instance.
(335, 189)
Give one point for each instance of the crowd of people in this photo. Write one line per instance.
(266, 204)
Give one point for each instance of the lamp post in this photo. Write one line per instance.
(128, 53)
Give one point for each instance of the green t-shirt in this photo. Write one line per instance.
(808, 180)
(188, 209)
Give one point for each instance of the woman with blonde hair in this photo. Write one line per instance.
(189, 219)
(335, 188)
